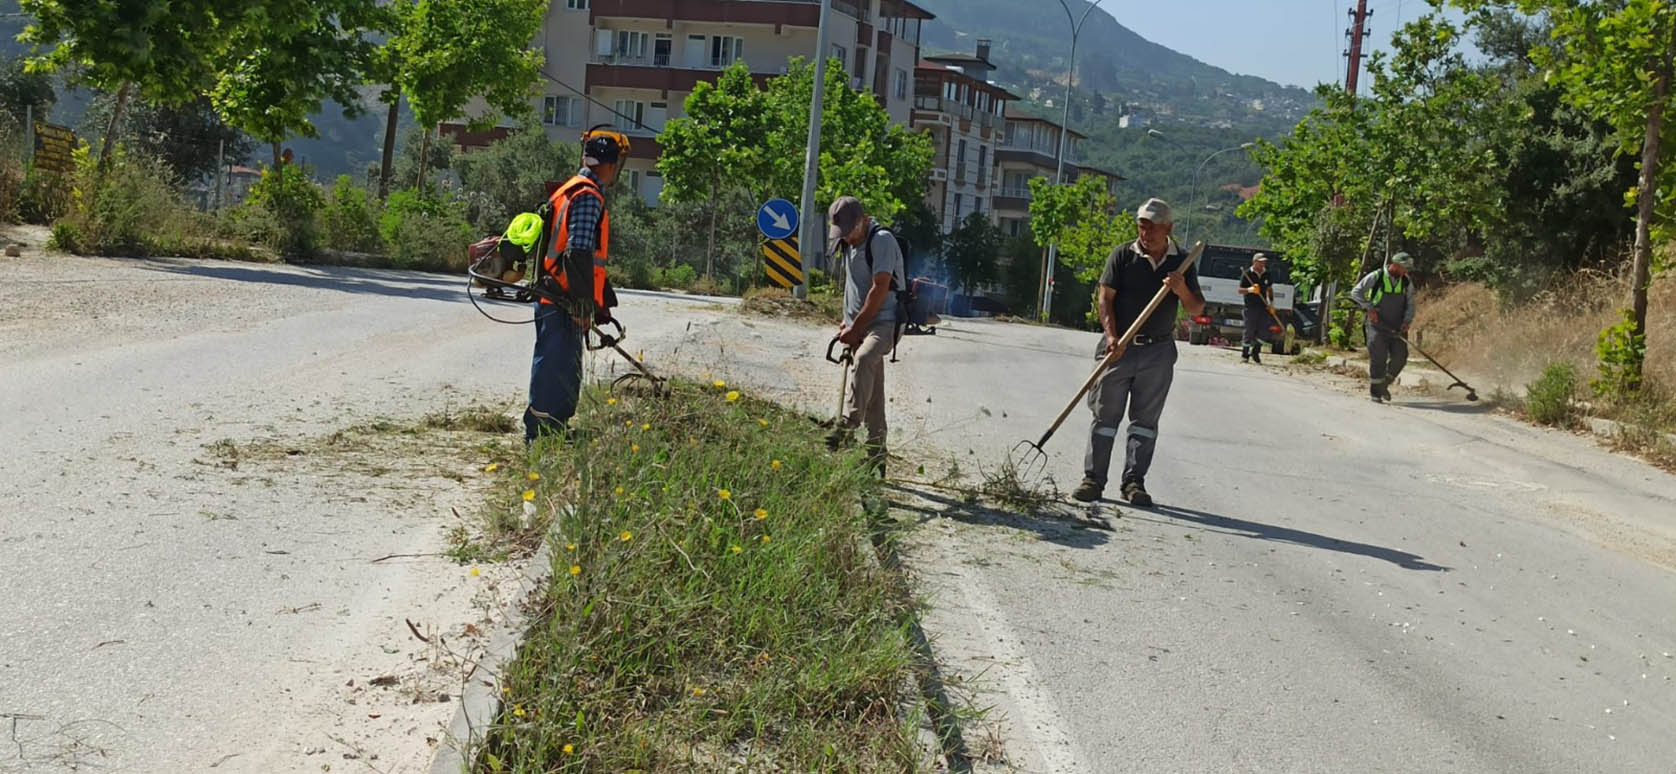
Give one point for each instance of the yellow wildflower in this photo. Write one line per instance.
(625, 536)
(619, 490)
(762, 422)
(518, 710)
(491, 467)
(576, 569)
(775, 464)
(533, 476)
(698, 690)
(736, 549)
(724, 494)
(645, 427)
(635, 448)
(475, 572)
(765, 538)
(719, 384)
(762, 513)
(568, 749)
(570, 546)
(529, 495)
(732, 395)
(610, 401)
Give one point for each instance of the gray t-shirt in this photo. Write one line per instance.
(858, 279)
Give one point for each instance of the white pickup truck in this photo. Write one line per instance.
(1219, 277)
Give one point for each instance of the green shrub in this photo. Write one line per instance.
(1338, 336)
(1621, 351)
(425, 232)
(126, 213)
(349, 220)
(631, 272)
(66, 236)
(679, 276)
(287, 205)
(1548, 400)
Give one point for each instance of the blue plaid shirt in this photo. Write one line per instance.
(585, 212)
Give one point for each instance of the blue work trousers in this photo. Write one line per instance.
(555, 373)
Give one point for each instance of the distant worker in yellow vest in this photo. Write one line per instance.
(577, 244)
(1388, 297)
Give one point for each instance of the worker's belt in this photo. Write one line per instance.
(1143, 340)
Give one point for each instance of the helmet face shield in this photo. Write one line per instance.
(604, 145)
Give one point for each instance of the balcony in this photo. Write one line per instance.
(1036, 157)
(789, 13)
(612, 73)
(947, 107)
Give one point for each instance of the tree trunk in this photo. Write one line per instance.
(1645, 194)
(110, 129)
(389, 149)
(710, 250)
(278, 160)
(424, 156)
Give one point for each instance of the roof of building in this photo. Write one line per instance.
(1100, 170)
(1039, 120)
(962, 60)
(927, 65)
(904, 10)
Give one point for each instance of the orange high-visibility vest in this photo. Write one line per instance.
(560, 229)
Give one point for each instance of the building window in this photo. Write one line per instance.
(960, 155)
(977, 204)
(661, 48)
(576, 5)
(724, 50)
(842, 55)
(631, 178)
(957, 208)
(630, 114)
(561, 111)
(901, 83)
(948, 90)
(630, 45)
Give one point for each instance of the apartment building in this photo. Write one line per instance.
(1028, 148)
(632, 63)
(964, 113)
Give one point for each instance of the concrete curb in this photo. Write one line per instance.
(1608, 428)
(479, 700)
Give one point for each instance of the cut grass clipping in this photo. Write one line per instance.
(713, 604)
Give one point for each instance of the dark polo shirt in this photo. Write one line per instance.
(1130, 272)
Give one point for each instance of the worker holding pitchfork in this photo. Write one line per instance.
(1140, 380)
(1258, 288)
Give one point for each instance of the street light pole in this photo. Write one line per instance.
(1059, 154)
(811, 240)
(1193, 203)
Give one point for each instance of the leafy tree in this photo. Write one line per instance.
(21, 88)
(510, 177)
(1616, 62)
(1021, 275)
(971, 252)
(444, 53)
(1079, 217)
(189, 137)
(286, 58)
(719, 144)
(166, 52)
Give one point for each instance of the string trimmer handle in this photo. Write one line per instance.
(846, 357)
(605, 339)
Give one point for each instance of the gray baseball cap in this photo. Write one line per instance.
(1401, 259)
(843, 215)
(1156, 210)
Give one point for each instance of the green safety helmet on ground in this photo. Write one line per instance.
(525, 230)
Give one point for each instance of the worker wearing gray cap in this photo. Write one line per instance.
(1387, 294)
(1139, 381)
(1258, 289)
(871, 265)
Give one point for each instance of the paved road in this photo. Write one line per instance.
(1330, 585)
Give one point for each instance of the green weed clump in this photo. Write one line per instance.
(714, 604)
(1548, 400)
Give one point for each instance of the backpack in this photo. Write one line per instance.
(905, 296)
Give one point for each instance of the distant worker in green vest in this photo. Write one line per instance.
(1387, 295)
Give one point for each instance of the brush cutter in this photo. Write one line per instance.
(846, 360)
(1031, 458)
(597, 339)
(1471, 394)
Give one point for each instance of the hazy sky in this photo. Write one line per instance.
(1294, 42)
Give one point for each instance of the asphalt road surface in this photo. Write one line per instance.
(1326, 585)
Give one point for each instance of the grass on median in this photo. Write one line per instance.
(713, 604)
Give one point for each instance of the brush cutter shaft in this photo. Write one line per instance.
(1122, 344)
(1471, 393)
(844, 359)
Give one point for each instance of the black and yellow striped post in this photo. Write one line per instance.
(781, 261)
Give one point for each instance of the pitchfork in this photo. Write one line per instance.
(1030, 459)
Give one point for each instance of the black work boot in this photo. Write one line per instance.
(1256, 355)
(1385, 393)
(1088, 491)
(1136, 494)
(1245, 354)
(1374, 392)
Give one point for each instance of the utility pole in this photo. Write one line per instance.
(811, 241)
(1357, 33)
(220, 161)
(1059, 153)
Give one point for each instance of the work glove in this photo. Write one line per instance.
(602, 315)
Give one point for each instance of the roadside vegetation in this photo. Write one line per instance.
(714, 603)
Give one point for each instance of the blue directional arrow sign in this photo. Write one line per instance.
(777, 219)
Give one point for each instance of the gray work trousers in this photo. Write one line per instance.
(1138, 382)
(864, 404)
(1387, 354)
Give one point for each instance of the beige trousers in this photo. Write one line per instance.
(866, 402)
